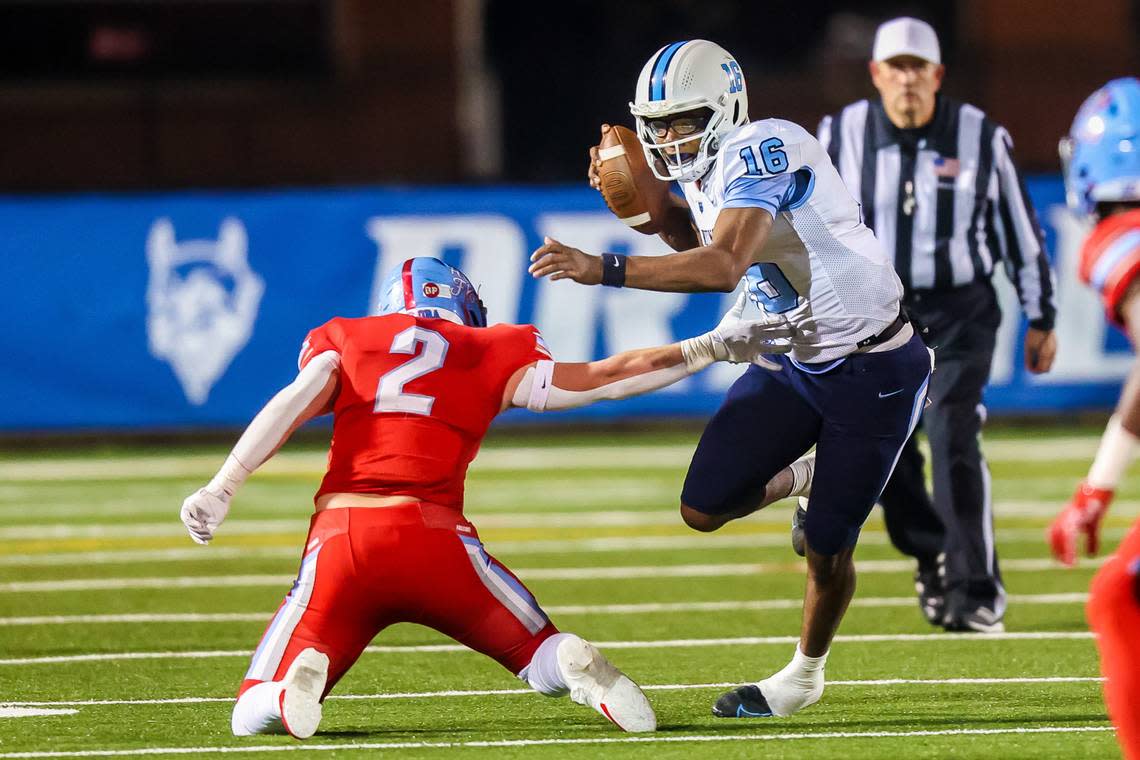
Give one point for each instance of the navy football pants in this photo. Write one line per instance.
(858, 412)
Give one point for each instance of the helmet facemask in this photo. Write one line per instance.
(677, 166)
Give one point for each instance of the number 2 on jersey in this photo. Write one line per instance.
(390, 396)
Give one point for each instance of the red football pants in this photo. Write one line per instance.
(364, 569)
(1114, 614)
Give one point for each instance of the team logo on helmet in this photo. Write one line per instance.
(431, 290)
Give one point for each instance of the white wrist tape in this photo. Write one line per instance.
(701, 351)
(272, 424)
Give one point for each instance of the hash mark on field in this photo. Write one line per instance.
(556, 609)
(654, 739)
(20, 711)
(521, 692)
(649, 644)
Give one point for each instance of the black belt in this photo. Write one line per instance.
(889, 332)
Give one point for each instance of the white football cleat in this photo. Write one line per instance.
(301, 698)
(594, 681)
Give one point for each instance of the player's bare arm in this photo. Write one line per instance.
(738, 235)
(549, 385)
(311, 394)
(677, 228)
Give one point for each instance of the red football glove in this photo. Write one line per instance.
(1082, 514)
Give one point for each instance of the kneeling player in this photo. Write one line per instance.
(413, 392)
(1102, 179)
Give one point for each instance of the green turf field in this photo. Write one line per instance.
(133, 638)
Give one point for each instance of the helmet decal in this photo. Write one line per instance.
(427, 287)
(657, 80)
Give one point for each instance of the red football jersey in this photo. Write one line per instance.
(1110, 259)
(416, 398)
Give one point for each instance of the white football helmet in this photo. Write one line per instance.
(681, 77)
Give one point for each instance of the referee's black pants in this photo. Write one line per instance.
(961, 326)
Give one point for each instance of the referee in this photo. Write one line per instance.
(938, 185)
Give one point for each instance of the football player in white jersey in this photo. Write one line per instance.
(764, 203)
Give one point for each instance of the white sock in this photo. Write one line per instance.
(802, 472)
(798, 685)
(543, 674)
(258, 710)
(1113, 456)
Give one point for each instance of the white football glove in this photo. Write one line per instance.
(739, 340)
(203, 511)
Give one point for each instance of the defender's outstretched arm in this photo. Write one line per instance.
(566, 385)
(309, 395)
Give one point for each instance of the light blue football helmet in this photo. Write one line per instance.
(1100, 157)
(427, 287)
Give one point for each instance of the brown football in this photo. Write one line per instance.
(631, 191)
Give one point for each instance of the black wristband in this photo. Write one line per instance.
(613, 269)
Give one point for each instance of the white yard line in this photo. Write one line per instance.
(530, 519)
(518, 692)
(538, 457)
(556, 609)
(659, 738)
(526, 573)
(602, 544)
(650, 644)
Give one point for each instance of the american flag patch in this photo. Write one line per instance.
(947, 167)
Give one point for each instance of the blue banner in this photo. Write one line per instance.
(187, 310)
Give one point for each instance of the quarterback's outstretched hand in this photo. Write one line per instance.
(203, 511)
(562, 262)
(1082, 515)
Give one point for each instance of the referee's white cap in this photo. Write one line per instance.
(906, 36)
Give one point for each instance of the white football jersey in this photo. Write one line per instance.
(821, 270)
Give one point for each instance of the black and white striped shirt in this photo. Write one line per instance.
(946, 199)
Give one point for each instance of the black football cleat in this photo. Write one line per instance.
(799, 517)
(742, 702)
(981, 620)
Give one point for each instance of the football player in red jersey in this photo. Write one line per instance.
(1101, 157)
(413, 392)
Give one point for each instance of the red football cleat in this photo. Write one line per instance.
(1082, 514)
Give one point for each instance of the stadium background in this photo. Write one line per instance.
(337, 137)
(189, 186)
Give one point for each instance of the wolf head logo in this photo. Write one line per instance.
(202, 301)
